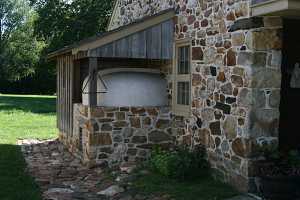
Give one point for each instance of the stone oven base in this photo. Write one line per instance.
(112, 135)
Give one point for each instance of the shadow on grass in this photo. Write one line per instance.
(40, 105)
(15, 183)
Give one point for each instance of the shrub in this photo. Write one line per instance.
(181, 163)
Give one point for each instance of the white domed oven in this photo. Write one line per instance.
(128, 87)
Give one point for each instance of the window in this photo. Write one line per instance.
(182, 77)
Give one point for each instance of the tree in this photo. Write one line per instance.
(19, 49)
(63, 22)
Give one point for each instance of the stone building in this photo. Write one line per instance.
(218, 73)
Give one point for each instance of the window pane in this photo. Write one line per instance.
(183, 60)
(183, 93)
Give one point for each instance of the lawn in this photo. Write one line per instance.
(204, 188)
(22, 117)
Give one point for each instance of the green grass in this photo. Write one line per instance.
(204, 188)
(22, 117)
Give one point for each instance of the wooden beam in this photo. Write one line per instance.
(93, 65)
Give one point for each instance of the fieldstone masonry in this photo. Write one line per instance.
(104, 135)
(236, 80)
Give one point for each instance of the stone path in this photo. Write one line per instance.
(61, 176)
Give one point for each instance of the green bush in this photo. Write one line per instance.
(181, 163)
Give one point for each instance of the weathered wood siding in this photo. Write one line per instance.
(258, 1)
(153, 43)
(65, 75)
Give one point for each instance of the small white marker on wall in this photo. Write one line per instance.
(267, 95)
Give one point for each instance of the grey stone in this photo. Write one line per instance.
(247, 23)
(139, 139)
(111, 191)
(207, 114)
(227, 88)
(106, 127)
(128, 132)
(230, 127)
(211, 84)
(263, 122)
(159, 136)
(225, 146)
(255, 60)
(118, 138)
(275, 98)
(162, 123)
(266, 78)
(244, 98)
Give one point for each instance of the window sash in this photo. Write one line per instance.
(181, 102)
(183, 63)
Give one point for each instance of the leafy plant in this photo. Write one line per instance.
(181, 163)
(277, 163)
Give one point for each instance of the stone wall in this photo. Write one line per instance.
(236, 78)
(104, 135)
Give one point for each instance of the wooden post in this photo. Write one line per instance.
(93, 65)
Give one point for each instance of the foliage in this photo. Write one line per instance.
(30, 29)
(62, 23)
(180, 164)
(278, 163)
(22, 117)
(19, 49)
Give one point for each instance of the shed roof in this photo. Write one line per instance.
(150, 27)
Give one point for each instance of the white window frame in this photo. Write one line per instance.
(178, 109)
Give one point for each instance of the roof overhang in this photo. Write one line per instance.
(85, 46)
(284, 8)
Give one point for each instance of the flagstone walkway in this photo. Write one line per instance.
(61, 176)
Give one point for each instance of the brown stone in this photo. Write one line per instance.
(152, 111)
(197, 24)
(204, 23)
(135, 122)
(242, 9)
(191, 19)
(136, 110)
(196, 79)
(147, 121)
(197, 53)
(204, 135)
(241, 121)
(231, 58)
(97, 112)
(215, 128)
(227, 44)
(238, 39)
(187, 140)
(230, 16)
(237, 81)
(242, 147)
(100, 139)
(221, 77)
